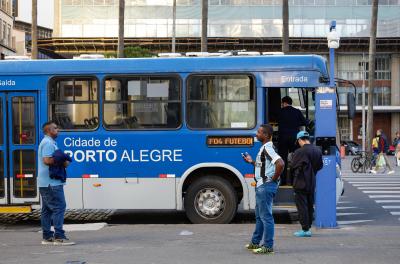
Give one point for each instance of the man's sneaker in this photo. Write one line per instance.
(391, 172)
(373, 171)
(63, 242)
(302, 233)
(49, 241)
(263, 250)
(252, 246)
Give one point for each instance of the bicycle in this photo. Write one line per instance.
(362, 162)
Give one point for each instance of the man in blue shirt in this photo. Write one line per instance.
(268, 168)
(51, 190)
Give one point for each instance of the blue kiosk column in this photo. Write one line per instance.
(325, 132)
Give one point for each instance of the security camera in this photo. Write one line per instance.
(333, 39)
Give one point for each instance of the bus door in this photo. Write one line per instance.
(18, 147)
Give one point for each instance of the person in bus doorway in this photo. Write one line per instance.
(306, 162)
(268, 167)
(383, 147)
(289, 123)
(51, 190)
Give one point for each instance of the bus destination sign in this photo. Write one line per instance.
(214, 141)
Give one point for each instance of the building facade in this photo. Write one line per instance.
(253, 25)
(22, 11)
(7, 41)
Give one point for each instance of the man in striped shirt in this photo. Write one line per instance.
(268, 167)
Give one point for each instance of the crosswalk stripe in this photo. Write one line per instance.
(384, 196)
(376, 184)
(391, 207)
(381, 191)
(344, 202)
(343, 214)
(395, 213)
(352, 222)
(378, 188)
(345, 207)
(369, 176)
(387, 201)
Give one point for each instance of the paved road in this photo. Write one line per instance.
(372, 199)
(369, 233)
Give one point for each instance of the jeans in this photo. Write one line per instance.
(53, 209)
(264, 220)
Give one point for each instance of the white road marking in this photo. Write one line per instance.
(387, 201)
(378, 188)
(381, 191)
(352, 222)
(384, 196)
(343, 214)
(373, 182)
(376, 184)
(395, 213)
(391, 207)
(345, 207)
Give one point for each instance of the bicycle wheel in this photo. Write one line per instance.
(355, 164)
(367, 165)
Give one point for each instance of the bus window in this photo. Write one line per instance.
(73, 103)
(142, 102)
(221, 102)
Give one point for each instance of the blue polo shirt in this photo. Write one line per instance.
(46, 149)
(269, 165)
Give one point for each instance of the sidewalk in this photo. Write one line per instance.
(208, 244)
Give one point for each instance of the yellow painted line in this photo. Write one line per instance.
(286, 187)
(285, 206)
(15, 209)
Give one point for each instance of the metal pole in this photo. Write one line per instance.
(173, 25)
(363, 105)
(332, 67)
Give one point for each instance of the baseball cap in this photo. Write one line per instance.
(302, 134)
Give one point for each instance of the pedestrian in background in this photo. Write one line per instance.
(306, 162)
(396, 144)
(290, 122)
(383, 147)
(51, 189)
(268, 167)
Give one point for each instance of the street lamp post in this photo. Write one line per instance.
(325, 134)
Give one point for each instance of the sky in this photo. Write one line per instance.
(45, 12)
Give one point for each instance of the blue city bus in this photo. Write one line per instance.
(149, 133)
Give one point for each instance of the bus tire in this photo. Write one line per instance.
(210, 200)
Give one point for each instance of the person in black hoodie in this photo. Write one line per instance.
(306, 162)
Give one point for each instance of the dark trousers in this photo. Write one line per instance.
(286, 144)
(305, 208)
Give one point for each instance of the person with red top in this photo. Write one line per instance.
(383, 147)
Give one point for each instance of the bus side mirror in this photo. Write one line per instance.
(351, 105)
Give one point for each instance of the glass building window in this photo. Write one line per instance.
(221, 102)
(352, 67)
(142, 102)
(73, 103)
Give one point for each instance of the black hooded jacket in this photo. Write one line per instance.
(305, 164)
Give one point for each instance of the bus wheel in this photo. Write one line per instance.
(210, 200)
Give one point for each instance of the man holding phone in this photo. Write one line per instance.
(268, 167)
